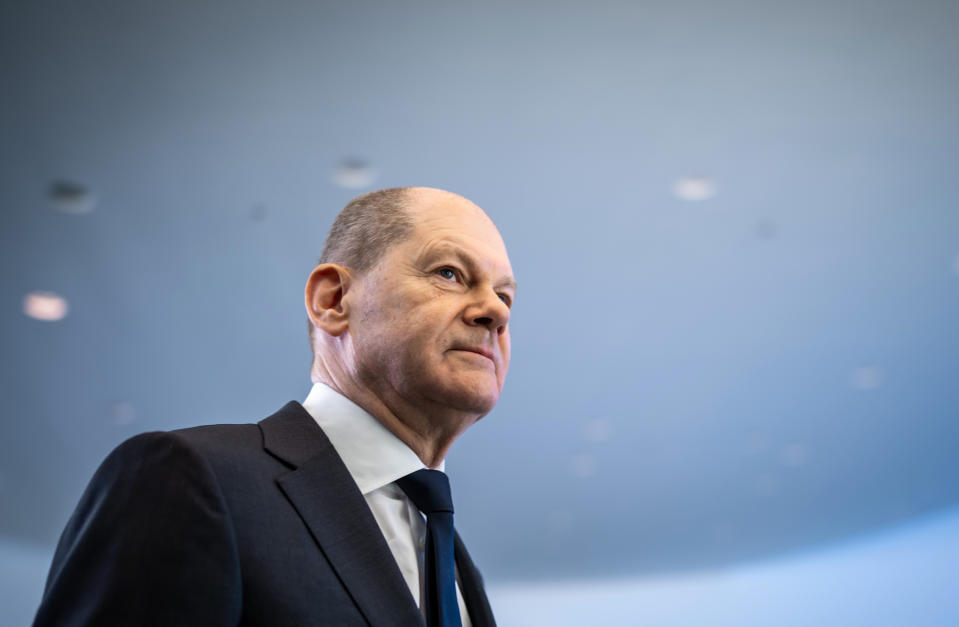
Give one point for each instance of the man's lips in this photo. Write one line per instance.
(479, 350)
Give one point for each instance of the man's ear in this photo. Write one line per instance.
(325, 306)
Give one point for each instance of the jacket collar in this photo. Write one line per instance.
(321, 490)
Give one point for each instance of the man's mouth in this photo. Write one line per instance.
(479, 350)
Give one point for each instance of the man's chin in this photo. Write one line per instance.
(470, 400)
(479, 405)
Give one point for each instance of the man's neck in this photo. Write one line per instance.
(427, 431)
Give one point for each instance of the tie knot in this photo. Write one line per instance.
(429, 490)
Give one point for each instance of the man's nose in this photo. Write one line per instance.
(489, 311)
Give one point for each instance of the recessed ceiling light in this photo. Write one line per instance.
(597, 430)
(794, 455)
(866, 378)
(258, 212)
(124, 413)
(70, 197)
(45, 306)
(582, 466)
(766, 229)
(354, 174)
(694, 188)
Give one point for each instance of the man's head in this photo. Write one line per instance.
(419, 321)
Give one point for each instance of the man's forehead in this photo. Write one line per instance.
(437, 212)
(427, 204)
(448, 223)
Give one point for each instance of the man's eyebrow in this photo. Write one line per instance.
(447, 249)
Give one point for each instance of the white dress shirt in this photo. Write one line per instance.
(375, 459)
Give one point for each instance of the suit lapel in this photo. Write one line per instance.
(471, 585)
(325, 496)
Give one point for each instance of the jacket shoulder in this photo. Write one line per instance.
(150, 534)
(220, 439)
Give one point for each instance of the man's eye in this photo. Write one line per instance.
(506, 299)
(447, 273)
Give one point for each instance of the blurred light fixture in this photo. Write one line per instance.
(597, 430)
(582, 466)
(766, 229)
(694, 188)
(354, 174)
(70, 197)
(866, 378)
(45, 306)
(258, 212)
(124, 413)
(794, 455)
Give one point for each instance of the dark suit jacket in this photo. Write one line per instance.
(232, 525)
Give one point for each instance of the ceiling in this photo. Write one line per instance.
(734, 224)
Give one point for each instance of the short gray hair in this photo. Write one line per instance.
(365, 229)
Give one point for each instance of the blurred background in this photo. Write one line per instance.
(734, 393)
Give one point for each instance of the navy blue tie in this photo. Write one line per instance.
(430, 492)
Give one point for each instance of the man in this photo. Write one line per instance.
(314, 515)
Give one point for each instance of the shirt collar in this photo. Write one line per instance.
(372, 454)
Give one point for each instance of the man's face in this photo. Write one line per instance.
(429, 323)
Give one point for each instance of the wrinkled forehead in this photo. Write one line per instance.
(441, 216)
